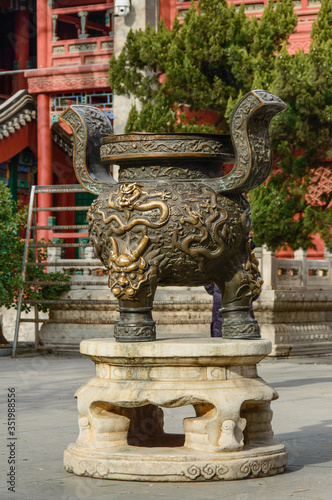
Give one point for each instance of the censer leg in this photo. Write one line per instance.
(238, 293)
(135, 323)
(237, 320)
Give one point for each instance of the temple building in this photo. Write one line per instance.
(55, 53)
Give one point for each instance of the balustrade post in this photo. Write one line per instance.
(302, 256)
(83, 17)
(53, 255)
(259, 257)
(88, 254)
(268, 268)
(55, 38)
(328, 258)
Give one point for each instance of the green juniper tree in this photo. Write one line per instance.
(11, 259)
(211, 61)
(208, 63)
(283, 209)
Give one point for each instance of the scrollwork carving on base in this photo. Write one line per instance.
(174, 468)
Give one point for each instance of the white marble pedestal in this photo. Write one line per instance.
(121, 420)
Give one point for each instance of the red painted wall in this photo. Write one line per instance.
(15, 143)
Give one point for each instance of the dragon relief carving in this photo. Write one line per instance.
(150, 228)
(129, 269)
(206, 218)
(250, 278)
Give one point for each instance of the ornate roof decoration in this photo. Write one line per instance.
(21, 108)
(16, 111)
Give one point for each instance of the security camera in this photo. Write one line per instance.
(121, 7)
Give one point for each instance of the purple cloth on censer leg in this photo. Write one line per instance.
(216, 323)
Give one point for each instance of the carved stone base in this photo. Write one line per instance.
(176, 464)
(121, 418)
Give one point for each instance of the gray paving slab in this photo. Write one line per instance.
(47, 422)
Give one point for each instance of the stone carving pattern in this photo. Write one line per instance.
(207, 472)
(250, 468)
(231, 437)
(91, 468)
(82, 47)
(255, 467)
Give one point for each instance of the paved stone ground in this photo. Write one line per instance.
(47, 423)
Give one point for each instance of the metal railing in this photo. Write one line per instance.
(63, 264)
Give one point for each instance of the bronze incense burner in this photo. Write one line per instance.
(174, 218)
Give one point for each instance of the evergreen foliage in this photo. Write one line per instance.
(217, 56)
(283, 209)
(11, 258)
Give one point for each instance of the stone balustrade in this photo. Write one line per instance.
(298, 273)
(294, 310)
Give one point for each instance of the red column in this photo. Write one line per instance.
(42, 29)
(44, 135)
(167, 10)
(44, 156)
(21, 46)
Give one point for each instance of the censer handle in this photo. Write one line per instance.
(89, 125)
(250, 137)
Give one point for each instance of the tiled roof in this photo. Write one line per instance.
(16, 112)
(21, 108)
